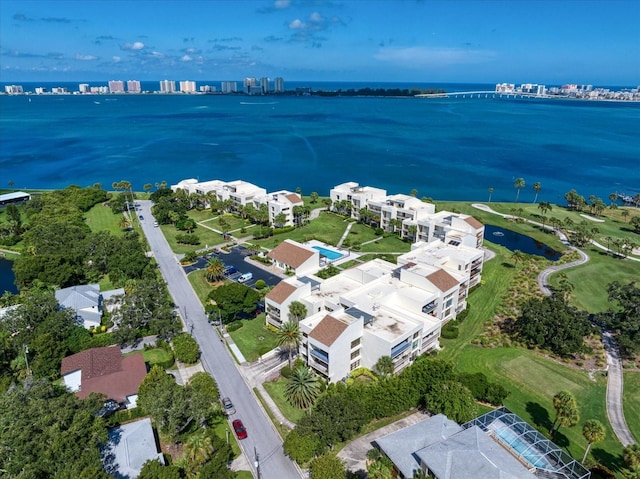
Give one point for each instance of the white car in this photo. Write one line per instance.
(243, 278)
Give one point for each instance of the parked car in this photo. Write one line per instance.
(239, 428)
(140, 217)
(243, 278)
(155, 223)
(110, 406)
(227, 405)
(229, 270)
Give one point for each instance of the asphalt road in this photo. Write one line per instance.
(262, 437)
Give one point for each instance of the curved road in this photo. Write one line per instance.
(615, 379)
(262, 440)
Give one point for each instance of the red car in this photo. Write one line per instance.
(239, 428)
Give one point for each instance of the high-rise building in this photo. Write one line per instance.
(116, 86)
(133, 86)
(167, 86)
(84, 88)
(248, 83)
(264, 85)
(187, 86)
(278, 85)
(13, 89)
(229, 87)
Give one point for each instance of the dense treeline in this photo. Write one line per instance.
(340, 413)
(624, 321)
(381, 92)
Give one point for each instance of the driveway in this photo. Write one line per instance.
(263, 444)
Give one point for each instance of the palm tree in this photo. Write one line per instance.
(297, 311)
(215, 269)
(314, 197)
(517, 256)
(490, 190)
(289, 336)
(125, 223)
(566, 411)
(303, 388)
(613, 197)
(536, 187)
(384, 367)
(593, 431)
(625, 215)
(414, 193)
(518, 185)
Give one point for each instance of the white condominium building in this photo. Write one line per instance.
(278, 85)
(228, 87)
(264, 85)
(283, 202)
(133, 86)
(377, 308)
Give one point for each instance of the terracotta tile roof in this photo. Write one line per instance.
(294, 198)
(290, 254)
(474, 222)
(106, 371)
(328, 330)
(442, 280)
(280, 292)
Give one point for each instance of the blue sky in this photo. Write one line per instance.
(564, 41)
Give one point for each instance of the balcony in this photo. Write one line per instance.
(428, 308)
(320, 354)
(398, 349)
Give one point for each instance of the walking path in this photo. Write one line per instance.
(344, 235)
(615, 379)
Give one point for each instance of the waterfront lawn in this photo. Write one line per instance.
(327, 228)
(532, 381)
(200, 215)
(253, 338)
(207, 238)
(590, 280)
(631, 402)
(318, 204)
(388, 244)
(233, 223)
(276, 391)
(101, 218)
(360, 233)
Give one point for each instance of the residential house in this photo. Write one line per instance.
(128, 447)
(105, 371)
(295, 257)
(498, 444)
(87, 302)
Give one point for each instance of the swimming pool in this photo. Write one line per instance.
(521, 447)
(329, 254)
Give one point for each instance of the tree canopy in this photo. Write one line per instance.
(233, 300)
(625, 319)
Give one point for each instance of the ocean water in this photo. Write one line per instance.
(451, 149)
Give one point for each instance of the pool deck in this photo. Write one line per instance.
(347, 255)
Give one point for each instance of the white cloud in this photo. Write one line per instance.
(186, 58)
(116, 59)
(418, 57)
(157, 55)
(297, 24)
(282, 4)
(316, 17)
(85, 57)
(132, 46)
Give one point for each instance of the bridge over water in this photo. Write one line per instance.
(481, 94)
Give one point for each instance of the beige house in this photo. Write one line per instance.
(295, 257)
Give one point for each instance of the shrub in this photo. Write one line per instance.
(286, 372)
(186, 348)
(188, 239)
(262, 232)
(234, 326)
(463, 314)
(260, 284)
(450, 331)
(286, 229)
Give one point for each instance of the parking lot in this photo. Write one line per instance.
(236, 259)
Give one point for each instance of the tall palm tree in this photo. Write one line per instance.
(303, 388)
(518, 185)
(613, 197)
(517, 256)
(125, 223)
(593, 431)
(198, 449)
(536, 187)
(490, 190)
(289, 336)
(215, 269)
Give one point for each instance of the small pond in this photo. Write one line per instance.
(513, 241)
(7, 277)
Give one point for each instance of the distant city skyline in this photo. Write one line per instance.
(590, 42)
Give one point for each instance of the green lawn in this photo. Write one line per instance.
(200, 215)
(389, 244)
(233, 222)
(591, 279)
(207, 238)
(532, 381)
(360, 233)
(200, 285)
(482, 302)
(253, 338)
(328, 228)
(224, 431)
(631, 402)
(155, 356)
(101, 218)
(276, 391)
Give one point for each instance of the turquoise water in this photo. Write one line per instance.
(329, 254)
(522, 447)
(445, 148)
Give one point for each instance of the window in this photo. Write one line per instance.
(416, 335)
(355, 354)
(355, 343)
(355, 364)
